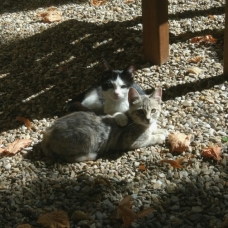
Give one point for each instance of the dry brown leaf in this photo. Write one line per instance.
(173, 163)
(129, 1)
(212, 152)
(17, 146)
(126, 201)
(212, 17)
(203, 39)
(196, 59)
(225, 222)
(127, 214)
(125, 211)
(145, 212)
(97, 2)
(26, 121)
(2, 150)
(24, 226)
(179, 141)
(194, 70)
(55, 219)
(79, 215)
(142, 167)
(51, 15)
(102, 180)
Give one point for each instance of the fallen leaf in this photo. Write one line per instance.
(52, 14)
(212, 152)
(55, 219)
(203, 39)
(211, 17)
(196, 59)
(224, 139)
(179, 141)
(127, 214)
(129, 1)
(125, 211)
(97, 2)
(79, 215)
(225, 222)
(102, 180)
(15, 147)
(173, 163)
(25, 121)
(142, 167)
(24, 226)
(126, 201)
(194, 70)
(145, 212)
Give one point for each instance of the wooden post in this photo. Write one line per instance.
(155, 31)
(226, 42)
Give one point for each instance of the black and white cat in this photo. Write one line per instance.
(110, 96)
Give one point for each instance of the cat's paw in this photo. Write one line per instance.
(121, 119)
(160, 138)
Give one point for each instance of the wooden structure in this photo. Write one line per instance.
(156, 32)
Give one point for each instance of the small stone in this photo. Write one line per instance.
(197, 209)
(7, 166)
(187, 103)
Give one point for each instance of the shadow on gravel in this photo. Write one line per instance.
(40, 73)
(9, 6)
(182, 203)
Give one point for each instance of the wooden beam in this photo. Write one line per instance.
(226, 42)
(155, 31)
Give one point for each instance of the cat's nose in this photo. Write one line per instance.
(116, 94)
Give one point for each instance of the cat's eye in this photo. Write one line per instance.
(123, 86)
(153, 110)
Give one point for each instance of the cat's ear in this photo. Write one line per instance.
(130, 71)
(157, 95)
(133, 96)
(106, 66)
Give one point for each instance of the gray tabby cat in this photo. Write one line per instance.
(83, 136)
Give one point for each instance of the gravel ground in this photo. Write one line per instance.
(43, 65)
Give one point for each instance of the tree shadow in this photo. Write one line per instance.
(182, 202)
(14, 6)
(40, 73)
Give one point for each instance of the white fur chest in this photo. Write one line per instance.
(111, 107)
